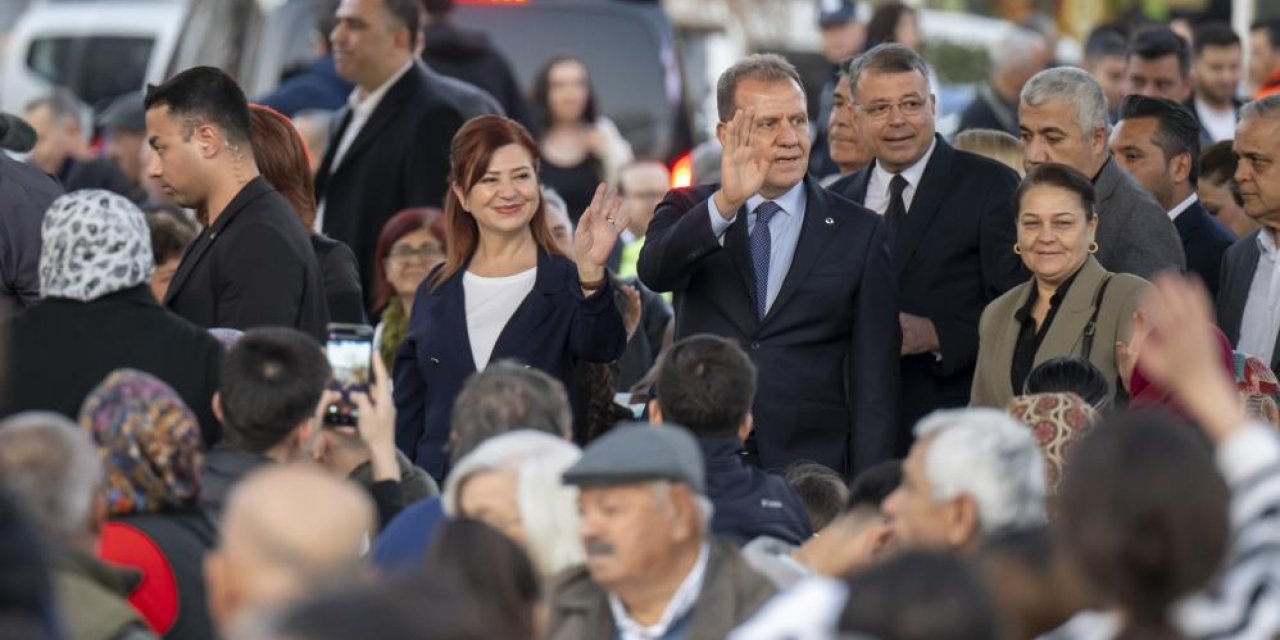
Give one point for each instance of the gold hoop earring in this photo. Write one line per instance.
(1017, 249)
(1093, 247)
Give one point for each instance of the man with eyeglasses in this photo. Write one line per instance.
(949, 215)
(799, 277)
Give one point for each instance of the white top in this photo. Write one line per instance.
(1220, 123)
(490, 304)
(682, 602)
(784, 232)
(1261, 319)
(1182, 206)
(361, 110)
(877, 198)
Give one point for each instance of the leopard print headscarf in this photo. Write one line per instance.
(95, 242)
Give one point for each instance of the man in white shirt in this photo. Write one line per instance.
(1158, 142)
(1216, 75)
(1249, 299)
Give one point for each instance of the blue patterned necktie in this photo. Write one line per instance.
(760, 246)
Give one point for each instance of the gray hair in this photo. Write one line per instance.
(51, 466)
(548, 507)
(1266, 108)
(1017, 47)
(507, 396)
(990, 457)
(63, 106)
(889, 57)
(1074, 87)
(759, 66)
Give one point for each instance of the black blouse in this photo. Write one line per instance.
(1029, 339)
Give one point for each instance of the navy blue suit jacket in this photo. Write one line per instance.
(1204, 241)
(553, 328)
(953, 256)
(826, 353)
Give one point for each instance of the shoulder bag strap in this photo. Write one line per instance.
(1086, 347)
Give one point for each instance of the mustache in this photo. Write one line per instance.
(596, 547)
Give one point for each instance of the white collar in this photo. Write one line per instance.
(792, 201)
(1182, 206)
(682, 601)
(370, 101)
(913, 173)
(1267, 242)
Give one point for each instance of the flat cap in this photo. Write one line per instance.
(833, 12)
(636, 452)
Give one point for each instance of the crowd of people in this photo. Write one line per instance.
(869, 382)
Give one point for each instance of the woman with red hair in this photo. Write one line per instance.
(503, 291)
(410, 246)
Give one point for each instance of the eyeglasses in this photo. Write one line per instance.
(909, 107)
(423, 252)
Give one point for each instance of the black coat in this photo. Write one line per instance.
(1204, 241)
(469, 56)
(399, 159)
(989, 111)
(25, 193)
(253, 267)
(826, 353)
(341, 278)
(1239, 265)
(63, 348)
(953, 256)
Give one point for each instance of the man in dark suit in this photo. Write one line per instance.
(950, 223)
(796, 275)
(1217, 67)
(1158, 142)
(1248, 302)
(253, 264)
(1063, 118)
(391, 149)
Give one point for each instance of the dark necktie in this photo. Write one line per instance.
(760, 247)
(896, 214)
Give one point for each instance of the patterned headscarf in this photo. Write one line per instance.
(1059, 422)
(95, 242)
(149, 442)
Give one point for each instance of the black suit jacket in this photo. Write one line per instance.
(1239, 264)
(553, 329)
(1204, 240)
(253, 267)
(63, 348)
(399, 159)
(25, 193)
(953, 255)
(826, 353)
(1205, 138)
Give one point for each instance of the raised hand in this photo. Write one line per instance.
(377, 423)
(597, 232)
(1127, 353)
(742, 168)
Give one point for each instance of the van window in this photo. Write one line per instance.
(96, 68)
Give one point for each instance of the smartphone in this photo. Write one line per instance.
(350, 351)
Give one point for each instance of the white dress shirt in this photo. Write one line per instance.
(1220, 123)
(784, 232)
(681, 603)
(1182, 206)
(1261, 319)
(877, 198)
(361, 110)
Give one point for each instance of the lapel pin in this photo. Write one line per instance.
(830, 221)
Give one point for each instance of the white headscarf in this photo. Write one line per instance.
(94, 242)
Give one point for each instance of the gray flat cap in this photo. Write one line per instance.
(636, 452)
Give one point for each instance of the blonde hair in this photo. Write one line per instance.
(997, 145)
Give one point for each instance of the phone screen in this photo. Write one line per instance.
(350, 352)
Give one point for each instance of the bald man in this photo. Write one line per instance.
(286, 531)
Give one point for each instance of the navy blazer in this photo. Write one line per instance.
(554, 328)
(1204, 240)
(826, 353)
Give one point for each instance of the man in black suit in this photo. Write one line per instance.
(796, 275)
(1248, 298)
(1216, 69)
(391, 149)
(253, 264)
(950, 220)
(1158, 142)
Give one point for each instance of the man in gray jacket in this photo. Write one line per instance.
(1063, 119)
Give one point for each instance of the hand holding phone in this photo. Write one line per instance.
(350, 352)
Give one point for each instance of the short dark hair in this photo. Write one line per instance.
(821, 490)
(504, 397)
(1218, 165)
(706, 384)
(1105, 42)
(169, 237)
(326, 12)
(919, 595)
(889, 57)
(437, 8)
(204, 95)
(870, 488)
(1178, 132)
(759, 66)
(1213, 34)
(1158, 42)
(272, 380)
(1272, 28)
(409, 14)
(1067, 374)
(1063, 177)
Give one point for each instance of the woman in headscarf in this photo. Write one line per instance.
(98, 315)
(149, 444)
